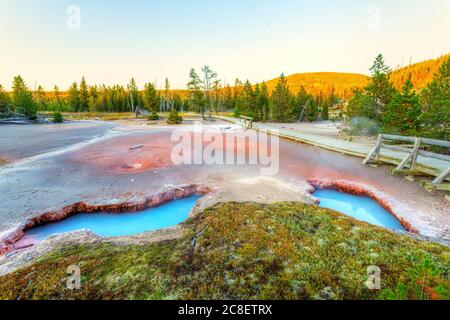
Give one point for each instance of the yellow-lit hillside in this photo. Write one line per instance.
(324, 82)
(343, 83)
(421, 73)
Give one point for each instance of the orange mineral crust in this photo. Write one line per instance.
(140, 153)
(128, 153)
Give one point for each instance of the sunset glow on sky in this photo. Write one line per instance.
(254, 39)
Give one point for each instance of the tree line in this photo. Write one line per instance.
(84, 98)
(205, 95)
(406, 111)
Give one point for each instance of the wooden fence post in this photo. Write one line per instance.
(375, 151)
(442, 177)
(411, 157)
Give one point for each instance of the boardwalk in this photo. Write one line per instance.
(427, 165)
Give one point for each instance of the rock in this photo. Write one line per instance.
(326, 294)
(137, 147)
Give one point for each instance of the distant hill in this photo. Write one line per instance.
(325, 82)
(421, 73)
(343, 83)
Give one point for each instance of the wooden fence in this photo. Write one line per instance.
(412, 148)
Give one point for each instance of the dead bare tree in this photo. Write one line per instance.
(302, 114)
(209, 78)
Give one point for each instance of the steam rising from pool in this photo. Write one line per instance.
(361, 208)
(118, 225)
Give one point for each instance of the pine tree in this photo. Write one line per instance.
(298, 103)
(92, 104)
(196, 95)
(302, 101)
(57, 94)
(312, 111)
(151, 98)
(216, 95)
(74, 98)
(403, 112)
(167, 98)
(359, 105)
(84, 96)
(372, 101)
(228, 98)
(258, 106)
(237, 97)
(281, 101)
(55, 103)
(178, 103)
(325, 113)
(436, 104)
(110, 101)
(23, 98)
(41, 99)
(264, 102)
(248, 107)
(174, 117)
(104, 100)
(93, 92)
(380, 89)
(5, 100)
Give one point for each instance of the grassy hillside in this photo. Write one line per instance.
(421, 73)
(247, 251)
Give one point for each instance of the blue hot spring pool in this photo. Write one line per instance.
(361, 208)
(125, 224)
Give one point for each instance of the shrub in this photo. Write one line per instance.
(57, 117)
(153, 116)
(174, 118)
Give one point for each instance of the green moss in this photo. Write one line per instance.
(247, 251)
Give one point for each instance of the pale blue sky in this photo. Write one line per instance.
(255, 39)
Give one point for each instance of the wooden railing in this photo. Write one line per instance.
(408, 164)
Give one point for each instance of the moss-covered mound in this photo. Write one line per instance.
(247, 251)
